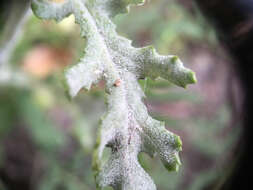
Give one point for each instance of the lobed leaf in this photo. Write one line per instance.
(127, 127)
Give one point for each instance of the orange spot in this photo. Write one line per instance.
(117, 83)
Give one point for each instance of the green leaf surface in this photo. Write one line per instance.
(126, 127)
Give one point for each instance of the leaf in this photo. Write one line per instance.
(127, 127)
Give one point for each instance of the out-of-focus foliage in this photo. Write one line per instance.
(167, 25)
(64, 132)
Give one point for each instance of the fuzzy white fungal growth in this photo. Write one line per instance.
(127, 127)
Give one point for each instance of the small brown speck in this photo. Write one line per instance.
(117, 83)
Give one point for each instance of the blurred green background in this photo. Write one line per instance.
(46, 140)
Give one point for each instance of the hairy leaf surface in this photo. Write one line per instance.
(126, 127)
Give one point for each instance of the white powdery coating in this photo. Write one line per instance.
(127, 127)
(47, 9)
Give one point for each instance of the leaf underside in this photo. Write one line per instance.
(126, 127)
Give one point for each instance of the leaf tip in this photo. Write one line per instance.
(192, 77)
(35, 8)
(174, 59)
(177, 143)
